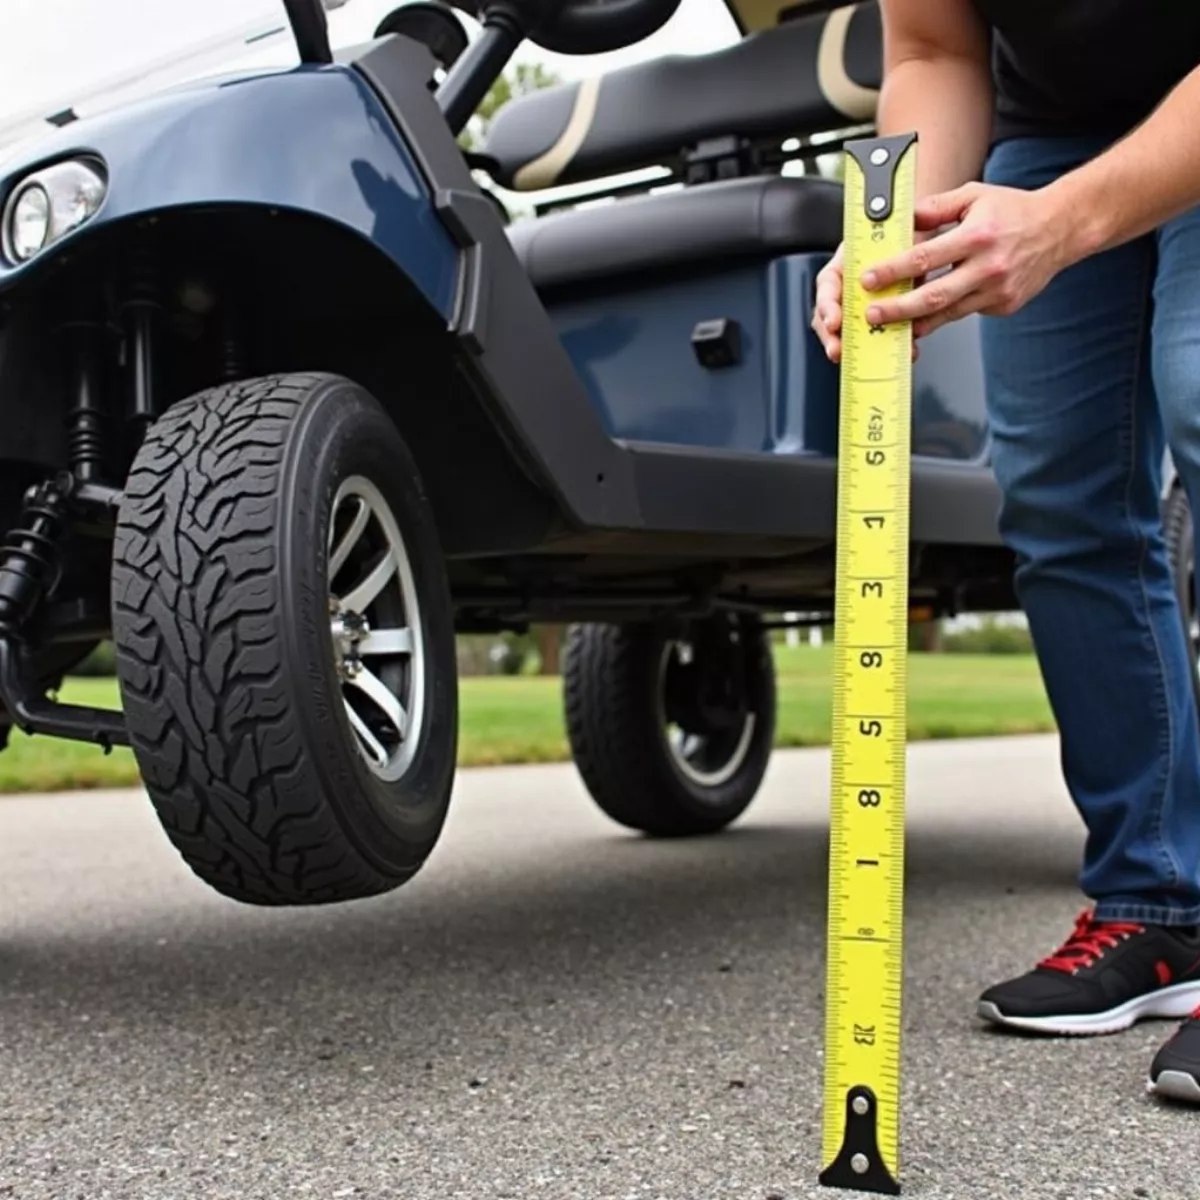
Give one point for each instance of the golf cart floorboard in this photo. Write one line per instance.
(795, 496)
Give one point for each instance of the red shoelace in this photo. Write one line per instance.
(1088, 943)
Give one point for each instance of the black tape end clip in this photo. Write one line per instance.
(878, 158)
(859, 1167)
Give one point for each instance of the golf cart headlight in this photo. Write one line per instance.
(29, 227)
(48, 205)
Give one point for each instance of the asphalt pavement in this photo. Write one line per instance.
(554, 1009)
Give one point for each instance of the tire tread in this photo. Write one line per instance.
(200, 659)
(612, 725)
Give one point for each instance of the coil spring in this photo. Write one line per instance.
(28, 556)
(233, 365)
(85, 421)
(85, 442)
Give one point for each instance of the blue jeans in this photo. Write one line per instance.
(1088, 385)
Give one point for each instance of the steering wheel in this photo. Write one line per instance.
(433, 24)
(598, 26)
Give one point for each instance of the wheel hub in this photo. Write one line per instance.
(708, 724)
(349, 631)
(374, 629)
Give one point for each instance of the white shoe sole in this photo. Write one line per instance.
(1168, 1004)
(1177, 1085)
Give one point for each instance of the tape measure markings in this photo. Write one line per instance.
(866, 868)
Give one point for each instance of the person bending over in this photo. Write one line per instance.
(1058, 197)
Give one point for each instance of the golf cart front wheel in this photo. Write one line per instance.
(671, 732)
(285, 645)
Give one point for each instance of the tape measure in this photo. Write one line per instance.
(871, 617)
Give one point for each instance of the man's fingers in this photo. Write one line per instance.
(826, 321)
(830, 283)
(972, 302)
(918, 260)
(827, 307)
(935, 296)
(931, 212)
(829, 314)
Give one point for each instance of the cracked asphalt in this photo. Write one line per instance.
(554, 1009)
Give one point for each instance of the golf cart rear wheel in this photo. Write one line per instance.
(671, 734)
(285, 646)
(1180, 534)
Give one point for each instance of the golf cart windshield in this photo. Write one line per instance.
(121, 50)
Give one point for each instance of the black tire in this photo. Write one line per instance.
(619, 698)
(230, 679)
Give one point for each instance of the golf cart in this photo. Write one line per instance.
(286, 403)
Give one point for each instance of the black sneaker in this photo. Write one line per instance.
(1175, 1072)
(1104, 979)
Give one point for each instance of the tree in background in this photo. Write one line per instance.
(519, 80)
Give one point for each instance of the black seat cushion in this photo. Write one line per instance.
(818, 72)
(748, 219)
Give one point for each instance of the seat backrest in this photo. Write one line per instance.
(816, 73)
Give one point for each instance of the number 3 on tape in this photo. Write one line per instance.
(865, 950)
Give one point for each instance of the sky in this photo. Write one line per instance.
(54, 52)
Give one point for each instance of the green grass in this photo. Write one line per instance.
(512, 720)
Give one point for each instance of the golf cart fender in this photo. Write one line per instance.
(310, 140)
(361, 144)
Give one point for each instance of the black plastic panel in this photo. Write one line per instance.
(796, 496)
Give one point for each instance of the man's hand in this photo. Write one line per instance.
(1004, 247)
(827, 308)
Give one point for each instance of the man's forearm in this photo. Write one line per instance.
(948, 102)
(1142, 181)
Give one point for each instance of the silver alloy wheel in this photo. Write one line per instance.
(375, 627)
(707, 760)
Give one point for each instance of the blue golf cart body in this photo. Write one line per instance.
(332, 179)
(610, 415)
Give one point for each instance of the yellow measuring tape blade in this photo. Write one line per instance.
(866, 864)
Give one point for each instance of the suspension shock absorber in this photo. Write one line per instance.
(231, 316)
(29, 571)
(232, 363)
(141, 312)
(86, 444)
(29, 554)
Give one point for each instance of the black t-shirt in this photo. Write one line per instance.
(1087, 66)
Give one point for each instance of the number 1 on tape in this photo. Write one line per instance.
(865, 950)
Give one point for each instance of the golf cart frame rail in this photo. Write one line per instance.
(310, 29)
